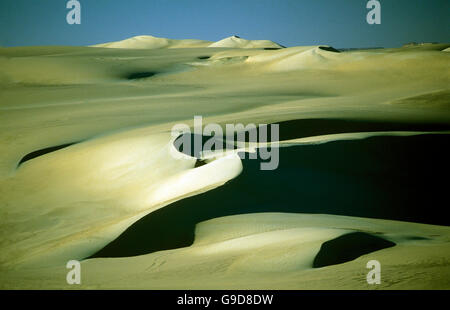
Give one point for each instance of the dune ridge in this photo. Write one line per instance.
(237, 42)
(271, 251)
(151, 42)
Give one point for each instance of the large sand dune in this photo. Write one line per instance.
(151, 42)
(238, 42)
(85, 152)
(270, 251)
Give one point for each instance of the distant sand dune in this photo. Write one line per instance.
(150, 42)
(237, 42)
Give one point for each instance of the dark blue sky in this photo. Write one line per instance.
(339, 23)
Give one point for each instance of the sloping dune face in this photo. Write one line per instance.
(276, 251)
(237, 42)
(151, 42)
(78, 222)
(87, 149)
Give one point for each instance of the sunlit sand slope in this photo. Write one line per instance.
(150, 42)
(276, 251)
(107, 114)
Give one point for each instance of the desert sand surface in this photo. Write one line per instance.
(270, 251)
(107, 111)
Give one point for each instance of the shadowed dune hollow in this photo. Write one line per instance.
(287, 130)
(302, 128)
(348, 247)
(395, 178)
(140, 75)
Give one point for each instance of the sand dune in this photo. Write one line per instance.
(439, 99)
(296, 58)
(113, 109)
(268, 251)
(237, 42)
(151, 42)
(139, 189)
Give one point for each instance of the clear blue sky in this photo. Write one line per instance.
(339, 23)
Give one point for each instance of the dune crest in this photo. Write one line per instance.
(78, 224)
(299, 57)
(237, 42)
(272, 251)
(151, 42)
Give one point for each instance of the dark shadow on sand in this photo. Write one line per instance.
(300, 128)
(315, 127)
(348, 247)
(329, 49)
(398, 178)
(140, 75)
(42, 152)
